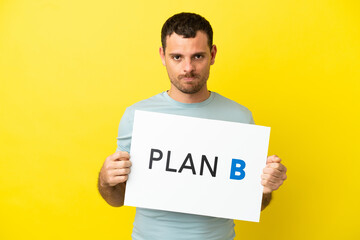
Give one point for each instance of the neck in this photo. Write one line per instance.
(179, 96)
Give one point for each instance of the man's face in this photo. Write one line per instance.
(188, 61)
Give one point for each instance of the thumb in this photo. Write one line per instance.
(273, 159)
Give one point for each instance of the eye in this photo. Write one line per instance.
(176, 57)
(199, 56)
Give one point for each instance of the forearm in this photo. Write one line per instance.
(113, 195)
(265, 200)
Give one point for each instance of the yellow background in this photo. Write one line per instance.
(69, 68)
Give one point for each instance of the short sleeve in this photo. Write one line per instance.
(125, 131)
(251, 119)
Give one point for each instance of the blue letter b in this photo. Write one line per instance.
(237, 169)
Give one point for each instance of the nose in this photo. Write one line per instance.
(188, 66)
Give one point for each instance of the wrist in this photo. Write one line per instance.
(102, 183)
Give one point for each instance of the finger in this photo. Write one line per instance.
(273, 172)
(273, 159)
(124, 156)
(121, 155)
(121, 179)
(277, 166)
(120, 172)
(117, 156)
(270, 178)
(271, 185)
(118, 179)
(121, 164)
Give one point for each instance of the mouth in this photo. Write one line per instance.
(188, 78)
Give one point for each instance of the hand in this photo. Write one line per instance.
(274, 174)
(115, 170)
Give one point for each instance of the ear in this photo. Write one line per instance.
(162, 55)
(213, 54)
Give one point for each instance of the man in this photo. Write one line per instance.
(187, 52)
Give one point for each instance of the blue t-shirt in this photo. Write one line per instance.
(157, 224)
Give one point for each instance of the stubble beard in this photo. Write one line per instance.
(189, 87)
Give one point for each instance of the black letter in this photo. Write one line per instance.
(188, 157)
(204, 159)
(168, 163)
(152, 156)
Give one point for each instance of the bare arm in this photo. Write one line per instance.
(265, 200)
(112, 178)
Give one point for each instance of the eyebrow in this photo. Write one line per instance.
(179, 54)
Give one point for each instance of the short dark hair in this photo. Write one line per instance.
(186, 25)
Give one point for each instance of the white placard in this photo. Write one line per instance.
(194, 165)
